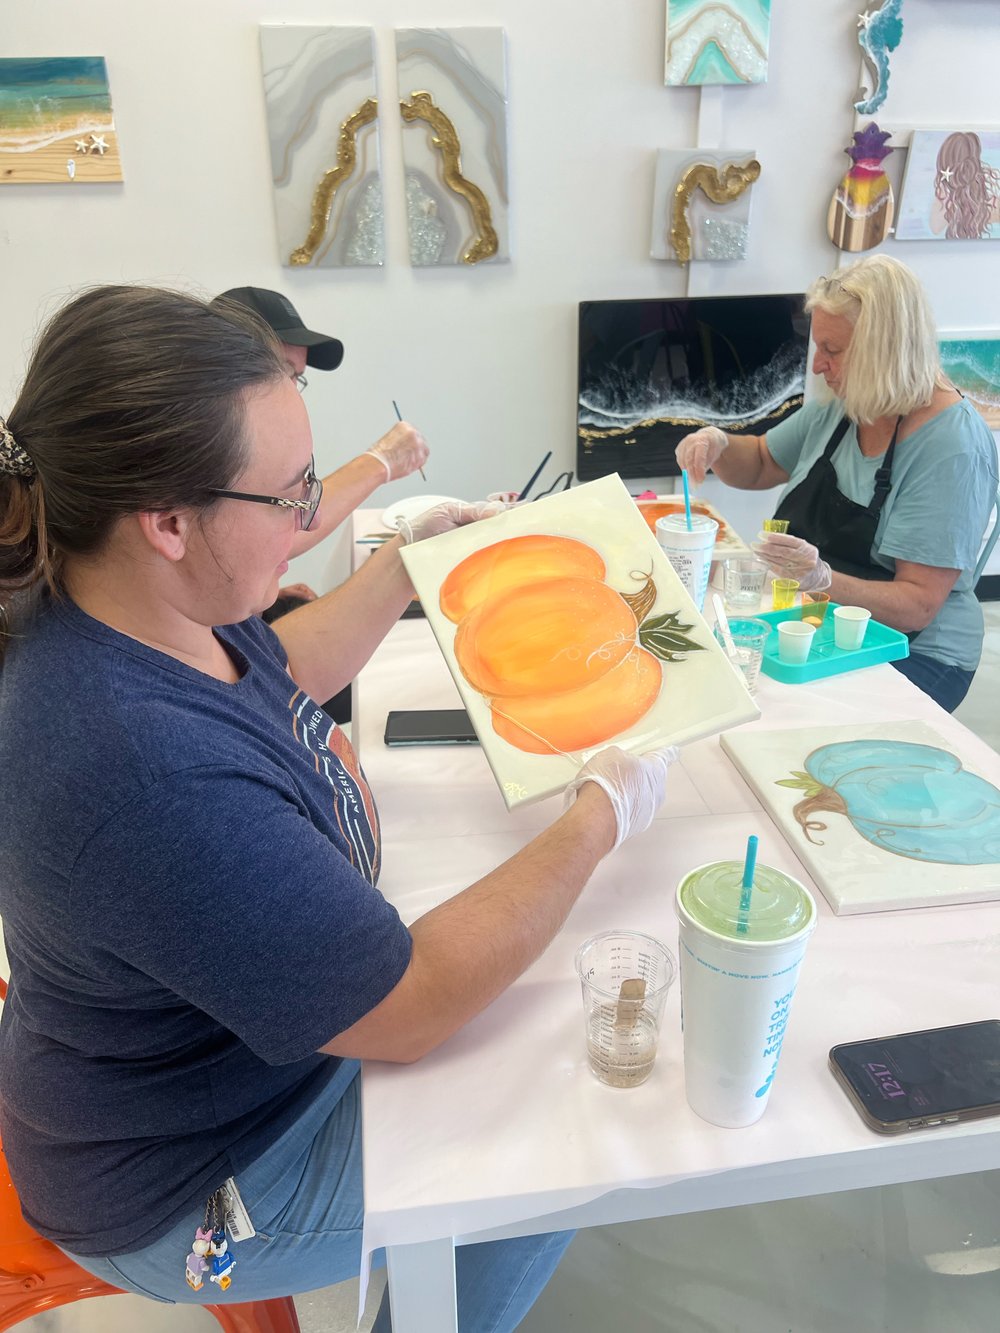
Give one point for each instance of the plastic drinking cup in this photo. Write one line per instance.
(743, 584)
(814, 607)
(849, 626)
(749, 638)
(689, 552)
(783, 593)
(740, 957)
(794, 640)
(624, 977)
(776, 525)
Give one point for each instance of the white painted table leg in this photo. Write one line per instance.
(422, 1287)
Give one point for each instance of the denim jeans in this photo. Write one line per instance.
(304, 1197)
(947, 685)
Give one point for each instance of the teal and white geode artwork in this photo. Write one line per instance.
(453, 102)
(887, 815)
(708, 42)
(322, 119)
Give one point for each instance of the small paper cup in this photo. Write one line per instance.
(849, 626)
(794, 640)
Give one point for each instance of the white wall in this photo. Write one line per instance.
(484, 361)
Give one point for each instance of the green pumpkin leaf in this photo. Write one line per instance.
(666, 638)
(804, 783)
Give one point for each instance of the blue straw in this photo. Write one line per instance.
(399, 417)
(687, 498)
(749, 865)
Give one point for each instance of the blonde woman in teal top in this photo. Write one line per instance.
(889, 486)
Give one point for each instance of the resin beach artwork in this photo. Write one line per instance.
(972, 363)
(651, 371)
(882, 816)
(56, 126)
(322, 123)
(708, 42)
(951, 190)
(566, 629)
(453, 101)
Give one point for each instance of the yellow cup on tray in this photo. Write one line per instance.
(783, 593)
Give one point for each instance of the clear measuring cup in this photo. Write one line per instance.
(624, 977)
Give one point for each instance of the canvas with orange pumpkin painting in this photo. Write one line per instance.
(566, 629)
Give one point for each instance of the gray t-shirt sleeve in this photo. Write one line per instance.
(797, 442)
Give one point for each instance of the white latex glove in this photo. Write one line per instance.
(401, 451)
(698, 451)
(793, 558)
(635, 784)
(444, 517)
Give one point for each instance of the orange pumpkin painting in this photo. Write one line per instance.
(565, 661)
(510, 564)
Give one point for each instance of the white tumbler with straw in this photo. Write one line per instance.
(743, 933)
(688, 543)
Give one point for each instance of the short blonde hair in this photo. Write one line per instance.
(891, 366)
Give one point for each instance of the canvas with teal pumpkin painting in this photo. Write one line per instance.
(566, 629)
(883, 816)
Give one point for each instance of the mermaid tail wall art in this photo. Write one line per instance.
(879, 32)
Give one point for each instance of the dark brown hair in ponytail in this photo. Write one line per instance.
(132, 401)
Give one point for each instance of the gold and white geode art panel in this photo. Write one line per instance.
(322, 120)
(701, 204)
(453, 102)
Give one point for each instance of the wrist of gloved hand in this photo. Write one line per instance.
(793, 558)
(635, 784)
(444, 517)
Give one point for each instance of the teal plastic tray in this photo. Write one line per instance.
(881, 644)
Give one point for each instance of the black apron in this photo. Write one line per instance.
(819, 512)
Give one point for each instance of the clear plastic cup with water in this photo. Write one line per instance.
(624, 976)
(749, 640)
(743, 584)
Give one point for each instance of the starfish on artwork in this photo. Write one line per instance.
(864, 20)
(98, 144)
(82, 146)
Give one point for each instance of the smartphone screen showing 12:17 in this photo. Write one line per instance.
(913, 1080)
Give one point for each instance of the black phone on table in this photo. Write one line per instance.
(940, 1076)
(429, 726)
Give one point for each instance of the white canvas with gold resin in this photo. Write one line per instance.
(322, 123)
(566, 629)
(887, 815)
(453, 101)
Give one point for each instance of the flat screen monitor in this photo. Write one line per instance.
(651, 371)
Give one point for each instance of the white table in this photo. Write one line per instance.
(503, 1130)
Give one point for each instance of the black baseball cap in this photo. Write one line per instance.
(324, 352)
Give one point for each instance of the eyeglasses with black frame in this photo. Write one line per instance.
(300, 382)
(306, 507)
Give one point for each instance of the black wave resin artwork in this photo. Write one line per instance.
(652, 371)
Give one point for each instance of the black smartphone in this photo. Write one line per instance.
(429, 726)
(940, 1076)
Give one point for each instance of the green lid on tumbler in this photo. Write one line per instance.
(778, 908)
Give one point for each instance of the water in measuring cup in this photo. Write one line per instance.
(621, 1054)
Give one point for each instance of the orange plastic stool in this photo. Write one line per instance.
(35, 1275)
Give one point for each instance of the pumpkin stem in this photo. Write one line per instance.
(825, 799)
(641, 603)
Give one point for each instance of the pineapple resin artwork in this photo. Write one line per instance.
(566, 629)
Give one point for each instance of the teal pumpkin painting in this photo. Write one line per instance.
(914, 800)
